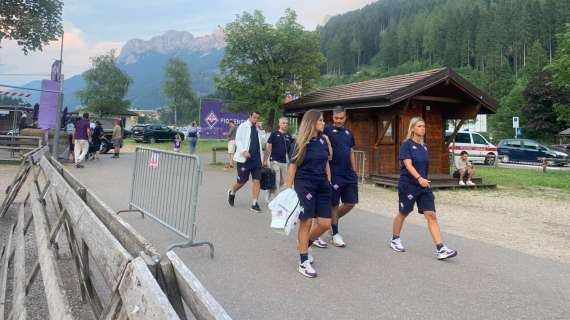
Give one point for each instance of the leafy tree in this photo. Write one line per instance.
(106, 86)
(31, 23)
(541, 98)
(178, 89)
(561, 65)
(263, 63)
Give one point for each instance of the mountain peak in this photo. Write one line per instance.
(171, 42)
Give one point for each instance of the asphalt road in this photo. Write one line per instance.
(254, 272)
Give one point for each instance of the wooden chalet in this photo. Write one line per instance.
(379, 112)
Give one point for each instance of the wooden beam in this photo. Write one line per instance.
(109, 255)
(19, 306)
(384, 131)
(439, 99)
(58, 305)
(141, 295)
(197, 298)
(131, 239)
(4, 271)
(454, 134)
(167, 281)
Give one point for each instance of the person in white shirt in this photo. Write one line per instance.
(249, 156)
(464, 169)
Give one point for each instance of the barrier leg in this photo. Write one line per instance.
(190, 244)
(131, 210)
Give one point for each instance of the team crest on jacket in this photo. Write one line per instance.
(322, 141)
(309, 196)
(410, 197)
(347, 132)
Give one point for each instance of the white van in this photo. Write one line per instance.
(479, 149)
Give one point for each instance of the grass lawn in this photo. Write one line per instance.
(524, 178)
(202, 147)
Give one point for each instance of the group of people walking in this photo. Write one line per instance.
(322, 171)
(86, 137)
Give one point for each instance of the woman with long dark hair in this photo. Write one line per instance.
(415, 188)
(309, 172)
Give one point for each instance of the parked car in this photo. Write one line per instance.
(561, 147)
(154, 133)
(526, 150)
(479, 149)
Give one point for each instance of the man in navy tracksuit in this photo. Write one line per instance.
(344, 178)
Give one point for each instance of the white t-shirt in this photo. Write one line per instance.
(460, 164)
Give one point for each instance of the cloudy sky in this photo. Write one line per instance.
(95, 26)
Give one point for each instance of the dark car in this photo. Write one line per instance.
(154, 133)
(562, 148)
(525, 150)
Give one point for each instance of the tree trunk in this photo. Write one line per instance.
(271, 120)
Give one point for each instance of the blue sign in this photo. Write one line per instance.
(518, 132)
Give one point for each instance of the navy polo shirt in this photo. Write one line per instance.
(342, 142)
(314, 166)
(418, 153)
(255, 159)
(280, 143)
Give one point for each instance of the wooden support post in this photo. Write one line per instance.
(4, 271)
(142, 297)
(454, 134)
(197, 298)
(167, 281)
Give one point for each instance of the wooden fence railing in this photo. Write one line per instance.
(138, 283)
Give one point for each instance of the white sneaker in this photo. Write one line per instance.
(461, 183)
(337, 241)
(445, 253)
(470, 183)
(307, 270)
(320, 243)
(396, 245)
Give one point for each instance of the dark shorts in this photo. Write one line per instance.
(117, 143)
(409, 195)
(315, 198)
(71, 144)
(347, 193)
(244, 171)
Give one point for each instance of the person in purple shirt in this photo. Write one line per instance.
(82, 138)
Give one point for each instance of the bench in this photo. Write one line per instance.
(214, 152)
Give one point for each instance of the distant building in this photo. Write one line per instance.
(479, 124)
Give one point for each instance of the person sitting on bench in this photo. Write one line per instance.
(464, 169)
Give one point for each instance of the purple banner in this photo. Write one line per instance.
(214, 121)
(48, 105)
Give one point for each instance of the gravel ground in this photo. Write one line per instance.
(536, 223)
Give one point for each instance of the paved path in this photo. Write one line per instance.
(254, 272)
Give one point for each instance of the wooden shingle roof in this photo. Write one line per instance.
(387, 91)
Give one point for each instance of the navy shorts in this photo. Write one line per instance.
(315, 198)
(409, 195)
(347, 193)
(244, 171)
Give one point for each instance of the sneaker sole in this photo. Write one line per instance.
(306, 274)
(320, 245)
(338, 245)
(256, 210)
(448, 257)
(396, 249)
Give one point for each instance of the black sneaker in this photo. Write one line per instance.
(231, 198)
(256, 208)
(78, 166)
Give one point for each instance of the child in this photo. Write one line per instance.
(177, 143)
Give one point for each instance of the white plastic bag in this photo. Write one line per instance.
(285, 209)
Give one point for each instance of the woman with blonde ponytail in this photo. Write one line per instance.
(415, 188)
(309, 173)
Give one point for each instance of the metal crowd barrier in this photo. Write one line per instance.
(16, 147)
(165, 187)
(360, 164)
